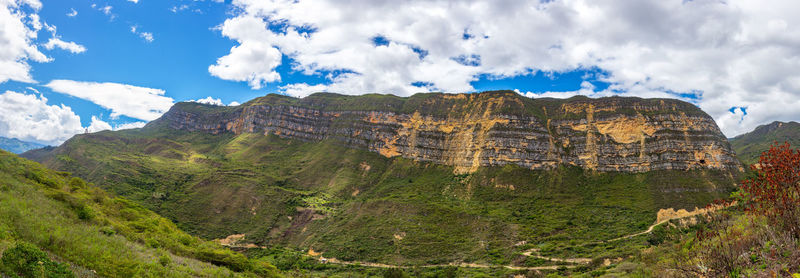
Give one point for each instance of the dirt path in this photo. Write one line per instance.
(664, 216)
(465, 265)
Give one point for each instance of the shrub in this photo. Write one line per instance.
(164, 259)
(775, 190)
(26, 260)
(76, 183)
(394, 273)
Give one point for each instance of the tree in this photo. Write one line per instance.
(774, 191)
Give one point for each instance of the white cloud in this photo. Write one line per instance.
(18, 29)
(147, 36)
(738, 53)
(68, 46)
(134, 1)
(252, 61)
(105, 10)
(56, 42)
(72, 13)
(98, 125)
(176, 9)
(209, 100)
(122, 99)
(29, 117)
(213, 101)
(130, 125)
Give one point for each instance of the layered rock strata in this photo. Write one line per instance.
(469, 131)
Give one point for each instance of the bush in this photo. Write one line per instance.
(775, 190)
(26, 260)
(394, 273)
(164, 259)
(76, 183)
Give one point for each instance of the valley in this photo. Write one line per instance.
(417, 193)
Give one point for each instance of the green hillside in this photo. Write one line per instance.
(76, 229)
(749, 146)
(357, 205)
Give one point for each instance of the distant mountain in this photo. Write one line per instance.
(749, 146)
(17, 146)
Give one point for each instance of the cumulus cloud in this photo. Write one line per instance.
(130, 125)
(213, 101)
(18, 30)
(29, 117)
(739, 53)
(122, 99)
(72, 13)
(99, 125)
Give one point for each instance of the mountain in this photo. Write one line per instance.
(468, 131)
(749, 146)
(96, 234)
(17, 146)
(427, 179)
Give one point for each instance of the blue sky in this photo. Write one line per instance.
(129, 60)
(185, 42)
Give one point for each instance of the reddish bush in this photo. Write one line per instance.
(775, 190)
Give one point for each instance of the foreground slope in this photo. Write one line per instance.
(428, 179)
(749, 146)
(98, 234)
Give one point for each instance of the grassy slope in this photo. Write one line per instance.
(749, 146)
(321, 196)
(83, 225)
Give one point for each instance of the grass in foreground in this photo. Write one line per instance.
(97, 234)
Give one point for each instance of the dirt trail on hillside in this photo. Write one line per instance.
(464, 265)
(663, 216)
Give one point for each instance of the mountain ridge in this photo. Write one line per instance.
(299, 187)
(17, 146)
(749, 146)
(483, 129)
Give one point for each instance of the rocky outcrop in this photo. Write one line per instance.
(469, 131)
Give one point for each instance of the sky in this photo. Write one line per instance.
(71, 66)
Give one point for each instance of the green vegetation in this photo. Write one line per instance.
(26, 260)
(749, 146)
(356, 205)
(49, 220)
(441, 104)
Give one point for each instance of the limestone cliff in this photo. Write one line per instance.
(468, 131)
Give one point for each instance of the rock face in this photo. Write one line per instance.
(469, 131)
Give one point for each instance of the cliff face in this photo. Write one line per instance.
(468, 131)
